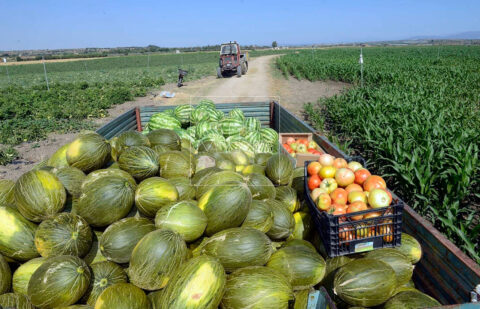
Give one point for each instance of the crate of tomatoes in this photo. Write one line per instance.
(352, 209)
(301, 147)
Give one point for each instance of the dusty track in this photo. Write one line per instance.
(261, 83)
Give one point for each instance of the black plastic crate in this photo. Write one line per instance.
(341, 235)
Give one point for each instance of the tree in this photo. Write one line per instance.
(274, 44)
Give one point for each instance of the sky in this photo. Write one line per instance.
(48, 24)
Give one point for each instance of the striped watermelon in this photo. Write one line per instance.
(218, 115)
(202, 127)
(200, 114)
(229, 126)
(183, 112)
(269, 135)
(235, 138)
(206, 103)
(163, 121)
(183, 134)
(263, 148)
(253, 137)
(252, 124)
(236, 113)
(246, 147)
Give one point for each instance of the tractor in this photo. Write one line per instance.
(232, 61)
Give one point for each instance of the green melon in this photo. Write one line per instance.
(164, 137)
(122, 296)
(411, 300)
(76, 307)
(139, 161)
(39, 195)
(298, 179)
(214, 179)
(262, 158)
(17, 235)
(59, 158)
(104, 274)
(119, 239)
(225, 165)
(302, 225)
(6, 192)
(155, 258)
(260, 216)
(245, 146)
(397, 260)
(93, 176)
(237, 248)
(105, 200)
(299, 242)
(288, 196)
(203, 174)
(283, 220)
(301, 299)
(126, 140)
(64, 234)
(5, 276)
(253, 168)
(302, 266)
(225, 205)
(185, 187)
(23, 273)
(154, 193)
(59, 281)
(88, 152)
(257, 287)
(16, 301)
(176, 164)
(411, 248)
(95, 255)
(71, 178)
(279, 169)
(183, 217)
(199, 283)
(203, 161)
(239, 157)
(365, 282)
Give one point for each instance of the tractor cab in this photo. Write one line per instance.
(232, 60)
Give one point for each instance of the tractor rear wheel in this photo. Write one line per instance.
(244, 68)
(219, 72)
(239, 71)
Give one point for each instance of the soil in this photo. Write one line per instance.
(262, 82)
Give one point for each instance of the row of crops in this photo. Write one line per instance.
(416, 120)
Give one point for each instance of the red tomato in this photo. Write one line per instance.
(314, 182)
(311, 150)
(361, 175)
(313, 168)
(303, 141)
(287, 147)
(374, 182)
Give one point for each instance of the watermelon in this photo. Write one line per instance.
(411, 248)
(6, 192)
(217, 115)
(230, 126)
(183, 217)
(199, 283)
(71, 179)
(176, 164)
(236, 113)
(397, 260)
(257, 287)
(126, 140)
(39, 195)
(235, 138)
(245, 146)
(119, 239)
(365, 282)
(262, 147)
(16, 301)
(283, 221)
(185, 188)
(164, 137)
(262, 158)
(260, 216)
(88, 152)
(214, 179)
(253, 137)
(93, 176)
(104, 274)
(302, 225)
(139, 161)
(154, 193)
(183, 112)
(411, 300)
(5, 276)
(302, 266)
(254, 168)
(279, 169)
(204, 127)
(269, 135)
(64, 234)
(163, 121)
(225, 205)
(155, 258)
(122, 296)
(201, 114)
(59, 158)
(105, 200)
(260, 186)
(237, 248)
(17, 235)
(59, 281)
(23, 273)
(252, 124)
(206, 103)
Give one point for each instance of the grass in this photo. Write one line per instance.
(416, 120)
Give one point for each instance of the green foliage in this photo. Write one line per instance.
(416, 120)
(7, 155)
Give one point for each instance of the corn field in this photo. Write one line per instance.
(416, 120)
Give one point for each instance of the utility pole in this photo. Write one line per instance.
(45, 71)
(6, 67)
(361, 66)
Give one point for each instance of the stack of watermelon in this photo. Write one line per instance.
(206, 124)
(147, 221)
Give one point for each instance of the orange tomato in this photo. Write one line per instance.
(323, 201)
(361, 175)
(339, 196)
(353, 188)
(314, 182)
(339, 163)
(374, 182)
(313, 168)
(287, 148)
(356, 207)
(344, 177)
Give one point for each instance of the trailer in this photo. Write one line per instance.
(444, 271)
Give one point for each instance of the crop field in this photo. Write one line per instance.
(416, 120)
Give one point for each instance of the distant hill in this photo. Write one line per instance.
(469, 35)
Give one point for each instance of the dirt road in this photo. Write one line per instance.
(261, 83)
